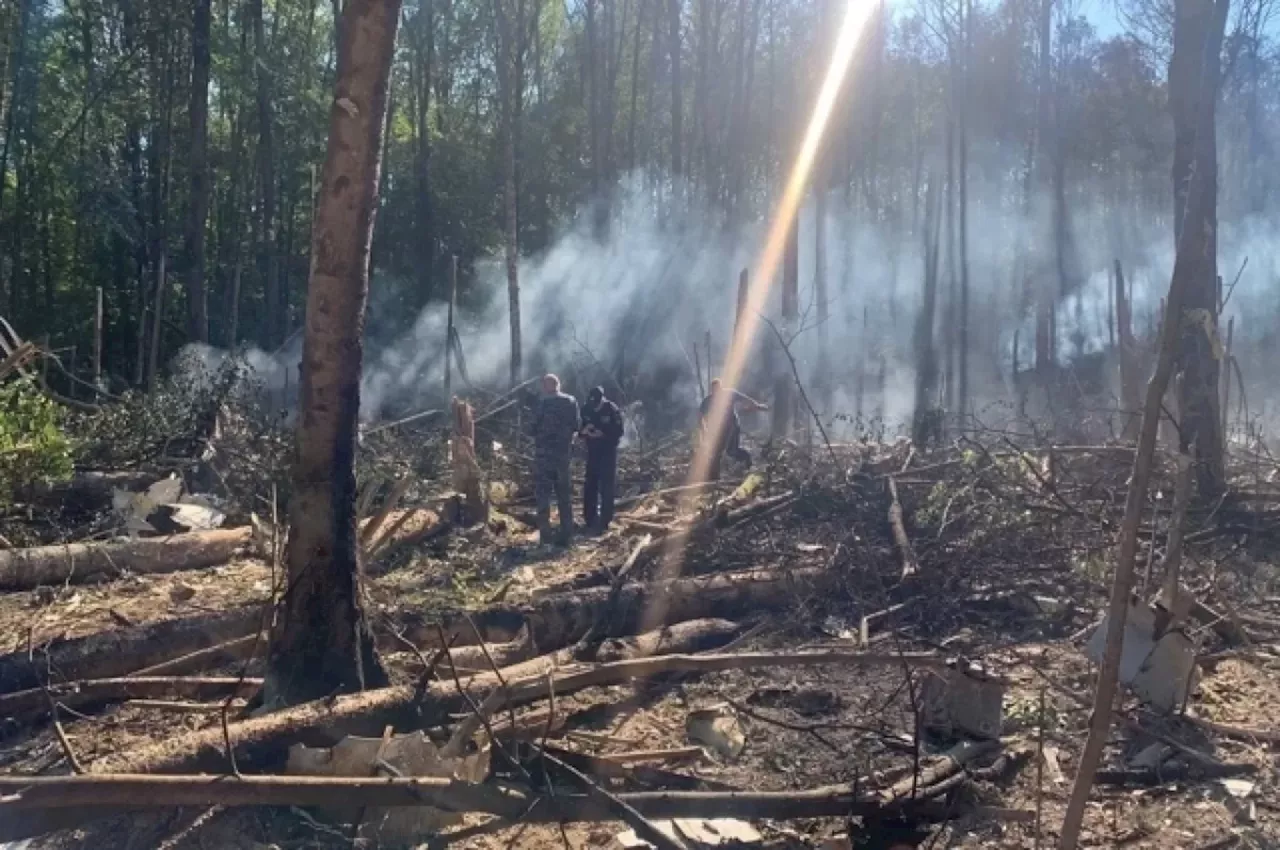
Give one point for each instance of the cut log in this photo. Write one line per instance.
(558, 621)
(31, 704)
(691, 636)
(405, 528)
(103, 795)
(25, 569)
(263, 740)
(105, 655)
(554, 622)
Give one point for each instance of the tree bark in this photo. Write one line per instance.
(26, 569)
(1194, 79)
(677, 88)
(321, 643)
(1130, 399)
(120, 652)
(1202, 34)
(510, 87)
(783, 401)
(272, 322)
(926, 354)
(31, 704)
(962, 320)
(197, 297)
(1044, 299)
(424, 47)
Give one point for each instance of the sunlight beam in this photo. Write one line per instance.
(857, 14)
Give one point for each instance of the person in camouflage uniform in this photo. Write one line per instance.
(556, 424)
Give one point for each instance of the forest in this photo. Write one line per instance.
(614, 163)
(290, 294)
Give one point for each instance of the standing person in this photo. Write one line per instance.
(726, 432)
(602, 430)
(555, 425)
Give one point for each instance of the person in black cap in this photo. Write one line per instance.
(602, 431)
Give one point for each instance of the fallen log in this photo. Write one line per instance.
(26, 569)
(105, 655)
(106, 795)
(266, 739)
(952, 762)
(689, 636)
(219, 655)
(628, 501)
(552, 622)
(1144, 777)
(556, 621)
(910, 566)
(262, 741)
(31, 704)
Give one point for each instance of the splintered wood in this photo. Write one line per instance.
(467, 478)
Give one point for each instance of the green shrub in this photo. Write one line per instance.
(33, 446)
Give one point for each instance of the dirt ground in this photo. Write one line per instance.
(1020, 592)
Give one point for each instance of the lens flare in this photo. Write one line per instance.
(857, 14)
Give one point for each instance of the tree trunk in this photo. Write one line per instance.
(26, 569)
(10, 128)
(119, 652)
(160, 243)
(448, 332)
(197, 298)
(595, 106)
(467, 477)
(677, 88)
(635, 87)
(1130, 398)
(1194, 78)
(962, 320)
(1198, 33)
(272, 321)
(926, 354)
(321, 642)
(783, 401)
(424, 46)
(507, 85)
(1044, 301)
(824, 383)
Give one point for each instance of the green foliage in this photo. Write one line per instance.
(33, 447)
(1026, 713)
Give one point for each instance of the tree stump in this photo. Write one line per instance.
(467, 479)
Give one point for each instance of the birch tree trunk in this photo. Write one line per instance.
(321, 643)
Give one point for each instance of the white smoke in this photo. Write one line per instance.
(635, 299)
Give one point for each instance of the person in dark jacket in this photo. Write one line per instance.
(555, 426)
(602, 431)
(719, 420)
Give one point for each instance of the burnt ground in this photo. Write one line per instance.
(1014, 554)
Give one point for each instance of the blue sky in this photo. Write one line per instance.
(1102, 14)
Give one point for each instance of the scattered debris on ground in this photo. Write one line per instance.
(855, 645)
